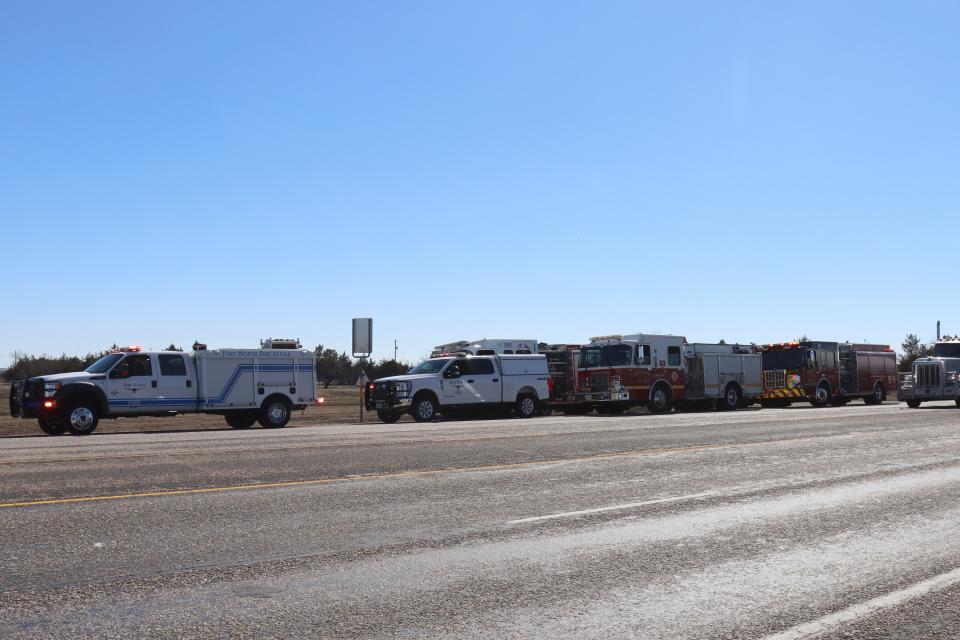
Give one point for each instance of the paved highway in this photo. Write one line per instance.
(834, 523)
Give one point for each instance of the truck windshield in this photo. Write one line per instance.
(430, 366)
(947, 350)
(611, 355)
(784, 359)
(103, 364)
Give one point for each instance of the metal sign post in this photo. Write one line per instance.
(362, 348)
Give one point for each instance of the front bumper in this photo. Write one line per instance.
(909, 392)
(602, 396)
(27, 401)
(784, 393)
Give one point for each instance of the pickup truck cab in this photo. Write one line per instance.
(446, 384)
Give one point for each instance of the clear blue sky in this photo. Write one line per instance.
(227, 171)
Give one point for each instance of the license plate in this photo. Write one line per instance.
(588, 396)
(381, 404)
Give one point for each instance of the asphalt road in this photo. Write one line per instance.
(834, 523)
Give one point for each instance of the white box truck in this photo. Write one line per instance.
(244, 385)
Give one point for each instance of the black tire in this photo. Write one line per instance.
(51, 427)
(821, 397)
(424, 408)
(913, 404)
(241, 419)
(545, 410)
(388, 416)
(732, 398)
(661, 399)
(81, 417)
(274, 413)
(526, 406)
(879, 395)
(957, 401)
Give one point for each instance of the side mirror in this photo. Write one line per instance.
(452, 372)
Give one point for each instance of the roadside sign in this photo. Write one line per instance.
(362, 337)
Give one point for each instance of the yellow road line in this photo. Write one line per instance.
(429, 472)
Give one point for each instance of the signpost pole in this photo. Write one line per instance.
(362, 348)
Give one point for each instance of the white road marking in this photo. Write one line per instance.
(868, 608)
(630, 505)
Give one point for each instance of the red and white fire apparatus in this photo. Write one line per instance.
(617, 372)
(827, 373)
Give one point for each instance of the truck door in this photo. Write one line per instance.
(175, 386)
(483, 383)
(132, 387)
(453, 388)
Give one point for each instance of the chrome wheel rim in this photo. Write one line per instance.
(527, 407)
(822, 394)
(81, 418)
(659, 398)
(277, 413)
(732, 397)
(425, 409)
(878, 394)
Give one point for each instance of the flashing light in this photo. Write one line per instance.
(321, 400)
(49, 404)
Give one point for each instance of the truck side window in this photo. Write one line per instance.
(673, 356)
(643, 354)
(479, 367)
(172, 365)
(139, 365)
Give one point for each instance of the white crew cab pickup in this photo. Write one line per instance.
(447, 384)
(243, 385)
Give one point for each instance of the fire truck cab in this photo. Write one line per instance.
(617, 372)
(825, 373)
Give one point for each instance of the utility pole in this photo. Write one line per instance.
(394, 349)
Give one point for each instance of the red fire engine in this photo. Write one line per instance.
(827, 373)
(615, 373)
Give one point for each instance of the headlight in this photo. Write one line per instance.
(951, 376)
(50, 389)
(402, 388)
(615, 385)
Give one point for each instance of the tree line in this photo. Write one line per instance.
(332, 367)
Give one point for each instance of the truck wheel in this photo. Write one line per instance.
(877, 396)
(274, 414)
(241, 419)
(388, 416)
(50, 427)
(913, 404)
(731, 400)
(82, 417)
(822, 396)
(526, 406)
(424, 409)
(957, 401)
(661, 399)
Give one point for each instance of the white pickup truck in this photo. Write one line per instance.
(448, 384)
(243, 385)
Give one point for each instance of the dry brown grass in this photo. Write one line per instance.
(342, 405)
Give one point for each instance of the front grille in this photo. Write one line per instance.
(599, 382)
(384, 391)
(928, 375)
(776, 379)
